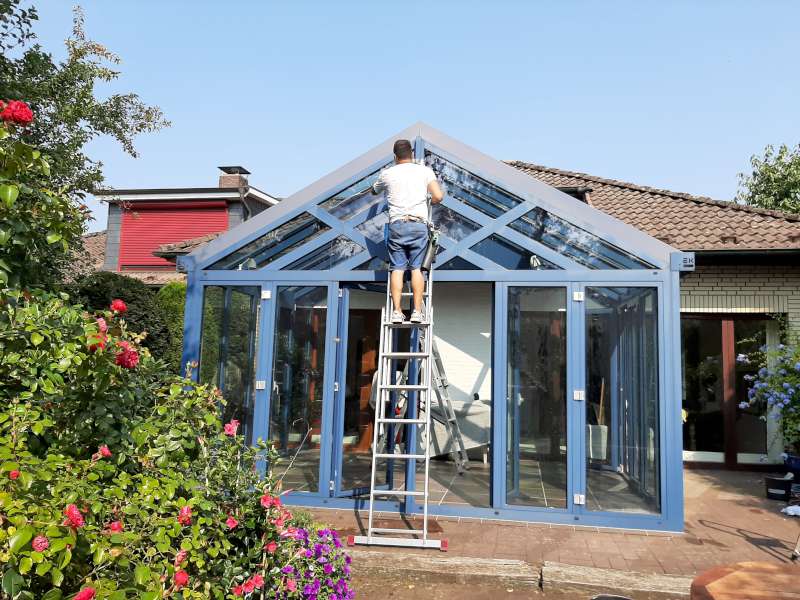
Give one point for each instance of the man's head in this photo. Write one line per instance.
(403, 150)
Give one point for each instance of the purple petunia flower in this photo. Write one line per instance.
(743, 405)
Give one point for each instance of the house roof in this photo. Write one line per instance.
(174, 249)
(691, 223)
(94, 245)
(188, 193)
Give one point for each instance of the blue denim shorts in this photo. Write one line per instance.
(407, 243)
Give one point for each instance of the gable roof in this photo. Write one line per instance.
(691, 223)
(530, 193)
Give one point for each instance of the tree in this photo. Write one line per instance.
(774, 182)
(69, 113)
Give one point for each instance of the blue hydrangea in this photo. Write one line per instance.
(797, 367)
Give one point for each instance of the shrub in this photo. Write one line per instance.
(145, 315)
(171, 299)
(775, 389)
(162, 501)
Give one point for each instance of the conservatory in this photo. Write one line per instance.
(558, 327)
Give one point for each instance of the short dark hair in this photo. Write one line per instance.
(403, 150)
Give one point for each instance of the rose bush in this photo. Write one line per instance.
(775, 389)
(118, 480)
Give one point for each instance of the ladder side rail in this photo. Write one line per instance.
(428, 402)
(376, 427)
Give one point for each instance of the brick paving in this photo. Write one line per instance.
(728, 520)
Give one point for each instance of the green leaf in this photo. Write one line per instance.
(20, 538)
(56, 576)
(148, 596)
(36, 338)
(12, 583)
(65, 558)
(141, 575)
(43, 568)
(54, 594)
(53, 237)
(25, 565)
(8, 194)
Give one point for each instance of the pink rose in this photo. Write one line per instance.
(104, 451)
(249, 586)
(116, 526)
(231, 522)
(40, 543)
(74, 519)
(181, 557)
(181, 578)
(230, 428)
(271, 547)
(85, 594)
(102, 326)
(258, 581)
(12, 475)
(237, 590)
(291, 585)
(185, 515)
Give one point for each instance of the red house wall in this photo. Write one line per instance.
(147, 226)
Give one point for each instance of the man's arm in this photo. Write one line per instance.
(435, 191)
(377, 187)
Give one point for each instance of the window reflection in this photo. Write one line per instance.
(509, 255)
(327, 256)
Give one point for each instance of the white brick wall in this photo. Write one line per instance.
(744, 289)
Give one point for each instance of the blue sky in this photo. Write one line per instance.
(673, 94)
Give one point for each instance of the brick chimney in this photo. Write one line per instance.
(233, 177)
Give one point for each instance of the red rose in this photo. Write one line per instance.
(85, 594)
(185, 515)
(127, 357)
(181, 578)
(119, 306)
(74, 519)
(271, 547)
(231, 522)
(237, 590)
(116, 526)
(249, 586)
(18, 112)
(12, 475)
(40, 543)
(104, 451)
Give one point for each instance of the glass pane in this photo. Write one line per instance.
(228, 343)
(326, 256)
(703, 427)
(536, 466)
(297, 381)
(470, 189)
(353, 199)
(622, 425)
(457, 264)
(274, 244)
(751, 432)
(452, 224)
(373, 264)
(509, 255)
(374, 228)
(576, 243)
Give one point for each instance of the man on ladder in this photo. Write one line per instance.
(407, 186)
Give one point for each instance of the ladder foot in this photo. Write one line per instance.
(351, 540)
(443, 545)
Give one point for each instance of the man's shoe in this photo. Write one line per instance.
(417, 317)
(397, 317)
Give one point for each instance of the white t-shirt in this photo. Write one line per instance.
(406, 187)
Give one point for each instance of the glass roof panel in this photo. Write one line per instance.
(457, 264)
(373, 228)
(376, 263)
(326, 256)
(273, 244)
(452, 224)
(354, 198)
(574, 242)
(511, 256)
(470, 189)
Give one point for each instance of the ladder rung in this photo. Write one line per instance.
(403, 421)
(404, 386)
(425, 294)
(391, 530)
(403, 456)
(396, 493)
(406, 325)
(405, 355)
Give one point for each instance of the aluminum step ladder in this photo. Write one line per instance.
(447, 414)
(419, 392)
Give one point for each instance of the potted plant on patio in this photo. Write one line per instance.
(775, 392)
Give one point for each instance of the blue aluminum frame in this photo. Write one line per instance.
(571, 275)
